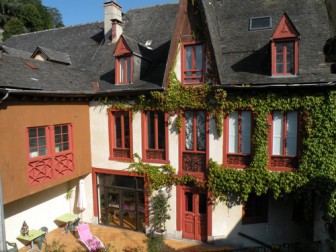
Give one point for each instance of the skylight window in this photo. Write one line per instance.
(259, 23)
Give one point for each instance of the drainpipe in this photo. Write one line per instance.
(3, 246)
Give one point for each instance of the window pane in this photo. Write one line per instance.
(32, 133)
(58, 147)
(117, 125)
(33, 152)
(65, 146)
(65, 129)
(128, 69)
(42, 141)
(161, 127)
(57, 130)
(290, 58)
(65, 137)
(200, 118)
(277, 133)
(199, 57)
(32, 143)
(43, 151)
(150, 125)
(189, 201)
(58, 139)
(189, 130)
(121, 72)
(246, 132)
(126, 130)
(233, 132)
(41, 131)
(279, 47)
(259, 23)
(291, 130)
(279, 58)
(188, 59)
(279, 68)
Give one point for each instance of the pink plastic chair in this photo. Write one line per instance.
(91, 242)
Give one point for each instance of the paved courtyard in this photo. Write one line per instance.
(120, 240)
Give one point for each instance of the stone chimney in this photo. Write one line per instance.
(112, 21)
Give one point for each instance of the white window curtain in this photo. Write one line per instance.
(189, 127)
(121, 72)
(233, 132)
(278, 122)
(291, 136)
(246, 132)
(200, 118)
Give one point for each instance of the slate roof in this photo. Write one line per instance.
(86, 46)
(16, 52)
(243, 56)
(53, 55)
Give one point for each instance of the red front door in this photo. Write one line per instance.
(194, 215)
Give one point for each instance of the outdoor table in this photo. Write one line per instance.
(66, 218)
(32, 235)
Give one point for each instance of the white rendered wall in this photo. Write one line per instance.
(280, 228)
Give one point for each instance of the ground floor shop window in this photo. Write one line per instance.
(121, 201)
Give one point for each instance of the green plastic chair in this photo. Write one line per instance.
(12, 247)
(42, 238)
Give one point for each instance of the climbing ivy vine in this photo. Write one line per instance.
(316, 171)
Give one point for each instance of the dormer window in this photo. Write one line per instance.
(124, 71)
(193, 63)
(284, 58)
(285, 49)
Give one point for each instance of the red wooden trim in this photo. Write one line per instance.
(96, 171)
(240, 135)
(144, 128)
(285, 29)
(144, 134)
(112, 135)
(183, 57)
(179, 204)
(117, 69)
(225, 139)
(122, 47)
(209, 216)
(270, 141)
(94, 192)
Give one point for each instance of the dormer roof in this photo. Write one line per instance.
(52, 55)
(243, 56)
(285, 29)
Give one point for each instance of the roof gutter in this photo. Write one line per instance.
(277, 85)
(4, 98)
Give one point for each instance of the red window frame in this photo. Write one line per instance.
(255, 210)
(193, 78)
(284, 162)
(127, 77)
(236, 159)
(37, 139)
(194, 151)
(156, 154)
(119, 150)
(283, 54)
(65, 136)
(53, 164)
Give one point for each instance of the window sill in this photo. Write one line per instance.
(282, 76)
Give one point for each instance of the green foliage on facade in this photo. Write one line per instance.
(316, 171)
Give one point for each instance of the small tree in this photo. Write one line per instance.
(14, 26)
(159, 214)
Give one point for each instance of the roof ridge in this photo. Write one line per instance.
(55, 29)
(151, 6)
